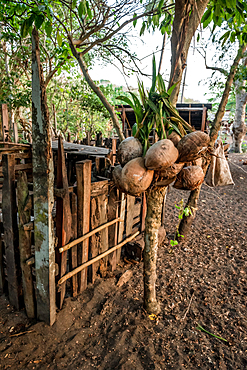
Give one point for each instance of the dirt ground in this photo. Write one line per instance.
(200, 282)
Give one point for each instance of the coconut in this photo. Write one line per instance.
(117, 178)
(189, 178)
(128, 149)
(174, 137)
(169, 174)
(192, 146)
(161, 155)
(135, 177)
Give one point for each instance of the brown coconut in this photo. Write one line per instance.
(135, 177)
(174, 137)
(117, 178)
(168, 175)
(192, 146)
(128, 149)
(161, 155)
(189, 178)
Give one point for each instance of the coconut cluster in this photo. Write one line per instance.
(172, 159)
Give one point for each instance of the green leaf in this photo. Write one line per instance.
(24, 28)
(207, 17)
(135, 21)
(143, 28)
(48, 29)
(153, 77)
(39, 19)
(59, 39)
(80, 9)
(88, 9)
(161, 84)
(134, 129)
(153, 106)
(126, 100)
(172, 88)
(138, 107)
(198, 37)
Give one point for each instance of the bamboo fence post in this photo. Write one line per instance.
(121, 225)
(130, 214)
(113, 229)
(73, 250)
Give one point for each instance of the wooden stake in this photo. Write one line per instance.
(43, 178)
(112, 230)
(121, 225)
(83, 174)
(11, 229)
(25, 244)
(63, 216)
(73, 250)
(85, 265)
(130, 214)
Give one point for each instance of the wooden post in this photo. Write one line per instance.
(114, 150)
(73, 250)
(112, 230)
(5, 123)
(143, 211)
(83, 174)
(63, 217)
(24, 211)
(204, 118)
(43, 178)
(121, 224)
(129, 214)
(11, 229)
(99, 139)
(2, 276)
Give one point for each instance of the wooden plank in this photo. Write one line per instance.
(143, 211)
(24, 213)
(83, 174)
(113, 203)
(81, 149)
(11, 230)
(122, 198)
(2, 275)
(95, 239)
(98, 187)
(19, 167)
(73, 250)
(204, 117)
(43, 183)
(129, 214)
(63, 217)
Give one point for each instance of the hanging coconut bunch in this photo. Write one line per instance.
(141, 164)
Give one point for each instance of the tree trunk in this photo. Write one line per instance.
(97, 91)
(155, 202)
(186, 222)
(239, 126)
(186, 20)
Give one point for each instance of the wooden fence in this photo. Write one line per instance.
(92, 221)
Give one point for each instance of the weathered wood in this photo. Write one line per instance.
(113, 203)
(99, 257)
(122, 207)
(2, 275)
(19, 167)
(83, 174)
(114, 150)
(99, 139)
(11, 230)
(129, 214)
(73, 250)
(43, 178)
(25, 244)
(79, 149)
(5, 123)
(95, 238)
(143, 211)
(63, 217)
(97, 187)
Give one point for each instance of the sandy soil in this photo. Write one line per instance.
(200, 282)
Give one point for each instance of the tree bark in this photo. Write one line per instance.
(186, 222)
(239, 126)
(155, 202)
(186, 20)
(97, 90)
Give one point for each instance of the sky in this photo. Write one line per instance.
(196, 70)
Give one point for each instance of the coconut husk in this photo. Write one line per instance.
(128, 149)
(192, 146)
(168, 175)
(117, 177)
(135, 177)
(174, 137)
(161, 155)
(189, 178)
